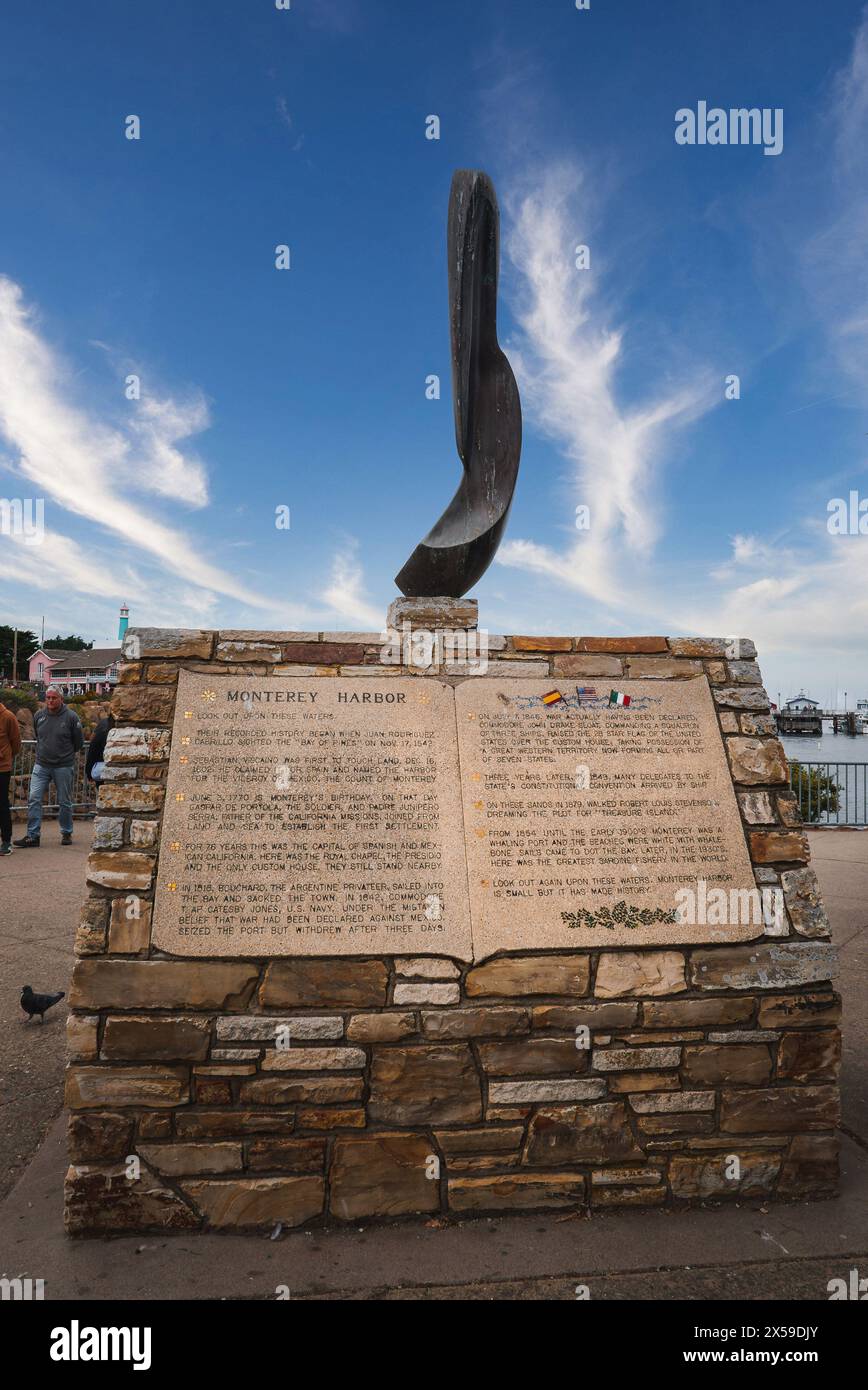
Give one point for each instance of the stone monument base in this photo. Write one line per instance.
(415, 1084)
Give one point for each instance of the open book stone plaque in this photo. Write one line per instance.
(309, 816)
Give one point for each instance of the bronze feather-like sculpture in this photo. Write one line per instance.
(459, 548)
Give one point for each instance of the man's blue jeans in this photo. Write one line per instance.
(40, 780)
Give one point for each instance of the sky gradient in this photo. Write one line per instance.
(305, 388)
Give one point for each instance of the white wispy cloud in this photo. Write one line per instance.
(568, 356)
(344, 594)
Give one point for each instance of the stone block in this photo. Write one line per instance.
(383, 1175)
(780, 1109)
(569, 1017)
(256, 1203)
(533, 1057)
(742, 1064)
(770, 846)
(756, 760)
(330, 984)
(702, 1177)
(102, 1200)
(426, 968)
(81, 1037)
(288, 1155)
(429, 993)
(799, 1010)
(635, 1058)
(286, 1090)
(645, 668)
(162, 984)
(546, 1092)
(122, 869)
(514, 976)
(476, 1023)
(95, 1088)
(129, 934)
(810, 1056)
(265, 1027)
(517, 1192)
(424, 1084)
(579, 664)
(811, 1167)
(622, 644)
(314, 1059)
(581, 1134)
(384, 1027)
(96, 1137)
(803, 903)
(131, 1038)
(147, 704)
(166, 642)
(678, 1013)
(640, 973)
(772, 965)
(178, 1160)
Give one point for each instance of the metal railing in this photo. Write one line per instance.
(83, 791)
(831, 793)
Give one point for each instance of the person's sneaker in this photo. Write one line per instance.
(27, 842)
(5, 847)
(66, 839)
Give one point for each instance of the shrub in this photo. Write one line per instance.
(817, 792)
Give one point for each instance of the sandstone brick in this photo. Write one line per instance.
(772, 965)
(177, 1160)
(331, 1117)
(147, 704)
(314, 1059)
(780, 1109)
(483, 1163)
(810, 1056)
(621, 644)
(256, 1203)
(475, 1023)
(649, 1126)
(517, 1192)
(279, 1090)
(429, 993)
(154, 1124)
(675, 1013)
(426, 968)
(644, 668)
(265, 1027)
(241, 1124)
(513, 976)
(330, 984)
(130, 672)
(635, 1058)
(754, 760)
(81, 1036)
(325, 653)
(623, 1083)
(743, 1063)
(770, 846)
(437, 612)
(703, 1177)
(425, 1084)
(162, 673)
(121, 869)
(232, 652)
(581, 1134)
(680, 1102)
(127, 744)
(799, 1010)
(235, 1054)
(162, 984)
(491, 1139)
(742, 697)
(131, 1038)
(708, 646)
(803, 902)
(382, 1175)
(94, 1088)
(289, 1155)
(135, 796)
(788, 808)
(384, 1027)
(212, 1091)
(568, 1017)
(102, 1200)
(628, 1196)
(129, 934)
(533, 1057)
(758, 725)
(108, 832)
(542, 644)
(728, 722)
(545, 1091)
(811, 1167)
(165, 642)
(95, 1137)
(744, 1035)
(90, 936)
(716, 672)
(640, 973)
(744, 673)
(578, 664)
(518, 666)
(143, 834)
(756, 807)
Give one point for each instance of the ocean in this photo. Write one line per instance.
(838, 750)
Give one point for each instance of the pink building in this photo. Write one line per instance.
(76, 672)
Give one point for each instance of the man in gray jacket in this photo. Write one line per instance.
(58, 739)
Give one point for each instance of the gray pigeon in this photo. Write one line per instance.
(37, 1003)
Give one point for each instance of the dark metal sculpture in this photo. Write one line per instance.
(458, 550)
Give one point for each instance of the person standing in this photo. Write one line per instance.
(10, 744)
(95, 764)
(58, 740)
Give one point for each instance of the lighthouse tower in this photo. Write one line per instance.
(124, 622)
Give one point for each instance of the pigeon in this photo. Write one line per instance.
(38, 1003)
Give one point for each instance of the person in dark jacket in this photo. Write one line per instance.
(10, 745)
(58, 740)
(96, 749)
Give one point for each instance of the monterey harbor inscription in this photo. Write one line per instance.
(360, 816)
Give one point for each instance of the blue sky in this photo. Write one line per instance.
(306, 388)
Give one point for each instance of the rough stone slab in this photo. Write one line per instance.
(287, 1155)
(108, 832)
(221, 1124)
(533, 1057)
(99, 1137)
(582, 664)
(542, 644)
(803, 903)
(161, 984)
(776, 965)
(146, 703)
(137, 796)
(265, 1027)
(287, 1089)
(810, 1056)
(744, 1035)
(640, 973)
(383, 1175)
(581, 1134)
(314, 1059)
(799, 1010)
(512, 976)
(381, 1027)
(622, 644)
(176, 1160)
(754, 760)
(426, 968)
(476, 1023)
(257, 1202)
(701, 1178)
(717, 1064)
(426, 993)
(424, 1085)
(99, 1088)
(130, 926)
(147, 1039)
(529, 1092)
(336, 984)
(102, 1200)
(772, 846)
(749, 697)
(635, 1058)
(650, 668)
(163, 642)
(679, 1102)
(780, 1109)
(517, 1192)
(81, 1036)
(433, 613)
(491, 1139)
(128, 744)
(120, 869)
(568, 1017)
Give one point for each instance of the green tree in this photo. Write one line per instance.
(817, 792)
(66, 644)
(27, 645)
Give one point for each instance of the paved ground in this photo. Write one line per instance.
(41, 891)
(748, 1251)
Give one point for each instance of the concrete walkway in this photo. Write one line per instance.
(747, 1251)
